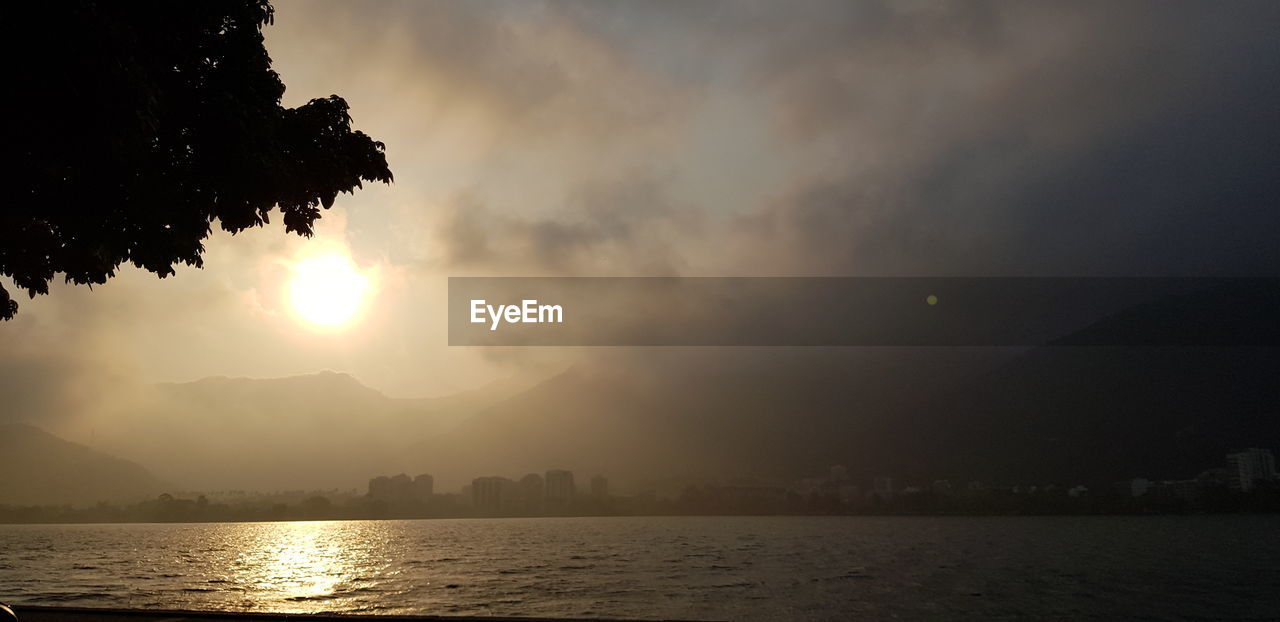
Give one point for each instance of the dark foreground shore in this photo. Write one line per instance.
(83, 614)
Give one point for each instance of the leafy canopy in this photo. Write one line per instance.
(135, 125)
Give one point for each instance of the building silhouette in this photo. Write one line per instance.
(599, 487)
(882, 487)
(380, 488)
(401, 489)
(423, 487)
(1134, 487)
(559, 488)
(493, 495)
(1246, 468)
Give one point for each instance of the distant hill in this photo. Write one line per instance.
(1049, 414)
(691, 414)
(1093, 414)
(39, 468)
(322, 430)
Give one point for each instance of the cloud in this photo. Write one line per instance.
(627, 226)
(913, 138)
(726, 138)
(1025, 138)
(522, 72)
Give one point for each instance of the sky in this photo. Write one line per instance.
(707, 138)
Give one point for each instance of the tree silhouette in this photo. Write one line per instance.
(135, 125)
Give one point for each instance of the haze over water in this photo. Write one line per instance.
(746, 568)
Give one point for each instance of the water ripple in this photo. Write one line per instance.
(798, 568)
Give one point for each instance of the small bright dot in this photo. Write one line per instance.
(932, 300)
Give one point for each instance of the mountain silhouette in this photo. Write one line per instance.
(693, 414)
(1091, 414)
(38, 468)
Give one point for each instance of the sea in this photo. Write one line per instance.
(652, 568)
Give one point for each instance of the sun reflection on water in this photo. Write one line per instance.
(309, 565)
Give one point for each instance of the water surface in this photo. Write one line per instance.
(748, 568)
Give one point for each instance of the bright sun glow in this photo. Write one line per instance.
(327, 290)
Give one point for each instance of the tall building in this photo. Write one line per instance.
(1135, 487)
(423, 487)
(882, 486)
(401, 487)
(559, 488)
(380, 488)
(493, 494)
(599, 486)
(1246, 468)
(839, 473)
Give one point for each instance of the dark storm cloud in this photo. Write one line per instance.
(952, 138)
(1026, 138)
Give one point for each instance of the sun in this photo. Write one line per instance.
(328, 290)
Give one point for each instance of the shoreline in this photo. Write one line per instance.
(832, 516)
(46, 613)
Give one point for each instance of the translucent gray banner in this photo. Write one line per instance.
(863, 311)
